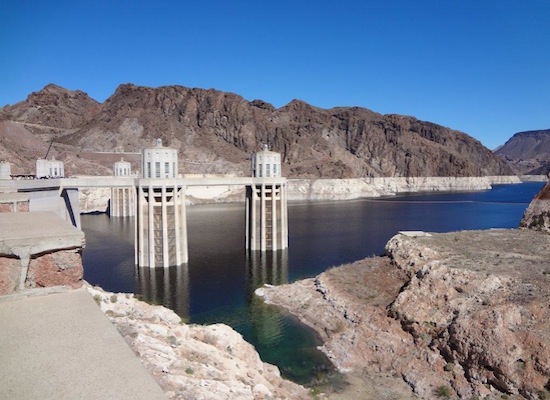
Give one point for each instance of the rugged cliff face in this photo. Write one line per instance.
(216, 132)
(458, 314)
(537, 215)
(528, 152)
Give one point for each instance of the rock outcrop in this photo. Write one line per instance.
(537, 215)
(462, 313)
(215, 132)
(528, 152)
(194, 361)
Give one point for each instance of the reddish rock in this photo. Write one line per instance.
(537, 215)
(55, 269)
(464, 313)
(215, 132)
(9, 274)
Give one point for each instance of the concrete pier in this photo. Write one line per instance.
(266, 204)
(161, 227)
(267, 216)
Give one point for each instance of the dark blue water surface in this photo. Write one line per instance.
(217, 284)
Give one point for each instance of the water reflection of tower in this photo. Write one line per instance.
(269, 267)
(166, 286)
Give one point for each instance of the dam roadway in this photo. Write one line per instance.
(30, 185)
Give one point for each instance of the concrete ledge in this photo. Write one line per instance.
(14, 202)
(38, 249)
(27, 234)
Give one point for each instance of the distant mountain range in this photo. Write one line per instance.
(216, 132)
(527, 152)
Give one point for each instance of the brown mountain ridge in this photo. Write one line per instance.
(215, 132)
(528, 152)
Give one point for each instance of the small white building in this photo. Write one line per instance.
(123, 199)
(122, 168)
(266, 164)
(50, 168)
(159, 162)
(5, 170)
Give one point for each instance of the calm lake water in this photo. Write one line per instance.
(217, 284)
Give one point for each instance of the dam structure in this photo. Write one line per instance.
(159, 207)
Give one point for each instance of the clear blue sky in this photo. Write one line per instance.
(479, 66)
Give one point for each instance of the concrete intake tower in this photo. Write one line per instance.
(161, 228)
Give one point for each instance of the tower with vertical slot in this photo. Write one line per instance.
(123, 199)
(161, 229)
(266, 204)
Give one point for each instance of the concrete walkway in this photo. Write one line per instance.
(61, 346)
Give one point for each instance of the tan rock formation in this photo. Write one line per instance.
(194, 361)
(464, 313)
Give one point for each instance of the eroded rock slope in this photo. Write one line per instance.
(459, 314)
(194, 361)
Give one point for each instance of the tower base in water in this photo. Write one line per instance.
(266, 215)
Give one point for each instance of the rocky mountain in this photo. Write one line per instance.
(215, 132)
(528, 152)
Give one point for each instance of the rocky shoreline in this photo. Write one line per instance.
(194, 361)
(461, 314)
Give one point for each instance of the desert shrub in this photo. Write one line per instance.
(443, 391)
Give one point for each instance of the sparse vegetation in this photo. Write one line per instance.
(449, 367)
(97, 298)
(113, 298)
(443, 392)
(189, 371)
